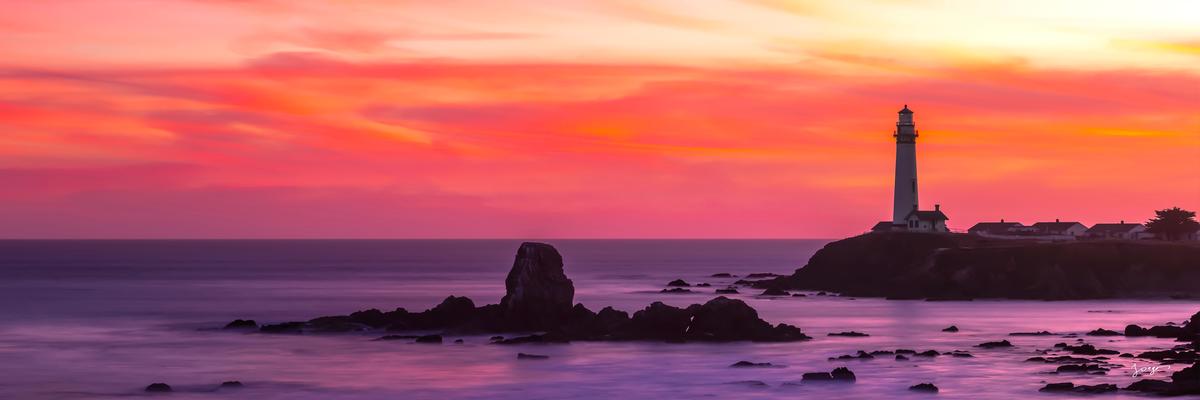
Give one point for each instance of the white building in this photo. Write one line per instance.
(1117, 231)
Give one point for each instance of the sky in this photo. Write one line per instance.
(586, 119)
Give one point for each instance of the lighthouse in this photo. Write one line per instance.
(904, 199)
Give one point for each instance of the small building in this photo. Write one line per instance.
(1117, 231)
(926, 221)
(1060, 229)
(994, 229)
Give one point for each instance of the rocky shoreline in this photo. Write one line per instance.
(538, 305)
(909, 265)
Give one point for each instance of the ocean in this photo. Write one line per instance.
(103, 319)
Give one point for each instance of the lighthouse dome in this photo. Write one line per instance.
(906, 110)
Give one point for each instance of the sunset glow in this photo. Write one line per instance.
(723, 118)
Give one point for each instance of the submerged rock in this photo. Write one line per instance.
(429, 339)
(675, 290)
(849, 334)
(924, 387)
(722, 275)
(748, 364)
(242, 324)
(994, 345)
(1058, 387)
(727, 291)
(526, 356)
(952, 328)
(678, 283)
(231, 384)
(158, 388)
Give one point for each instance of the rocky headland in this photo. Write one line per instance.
(957, 266)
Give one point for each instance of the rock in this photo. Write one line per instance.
(1080, 368)
(748, 364)
(1095, 389)
(952, 328)
(924, 387)
(231, 384)
(927, 353)
(1193, 325)
(821, 293)
(799, 295)
(675, 290)
(842, 374)
(678, 283)
(1058, 387)
(705, 284)
(849, 334)
(453, 311)
(1103, 332)
(1164, 331)
(395, 337)
(993, 345)
(1134, 330)
(538, 295)
(901, 357)
(727, 291)
(762, 275)
(495, 338)
(242, 324)
(526, 356)
(722, 275)
(286, 327)
(960, 353)
(724, 319)
(158, 388)
(1039, 333)
(816, 377)
(459, 341)
(429, 339)
(748, 383)
(774, 292)
(1150, 385)
(1086, 349)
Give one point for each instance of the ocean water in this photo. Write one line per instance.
(102, 319)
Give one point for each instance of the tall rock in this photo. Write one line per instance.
(538, 295)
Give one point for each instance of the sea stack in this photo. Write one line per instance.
(538, 294)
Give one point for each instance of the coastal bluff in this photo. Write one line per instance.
(935, 266)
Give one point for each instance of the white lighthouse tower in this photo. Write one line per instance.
(905, 195)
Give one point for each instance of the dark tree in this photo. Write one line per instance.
(1173, 223)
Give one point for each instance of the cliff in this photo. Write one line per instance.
(956, 266)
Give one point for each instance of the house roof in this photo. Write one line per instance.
(996, 227)
(1055, 226)
(926, 215)
(1113, 228)
(883, 226)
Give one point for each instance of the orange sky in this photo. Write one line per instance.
(631, 118)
